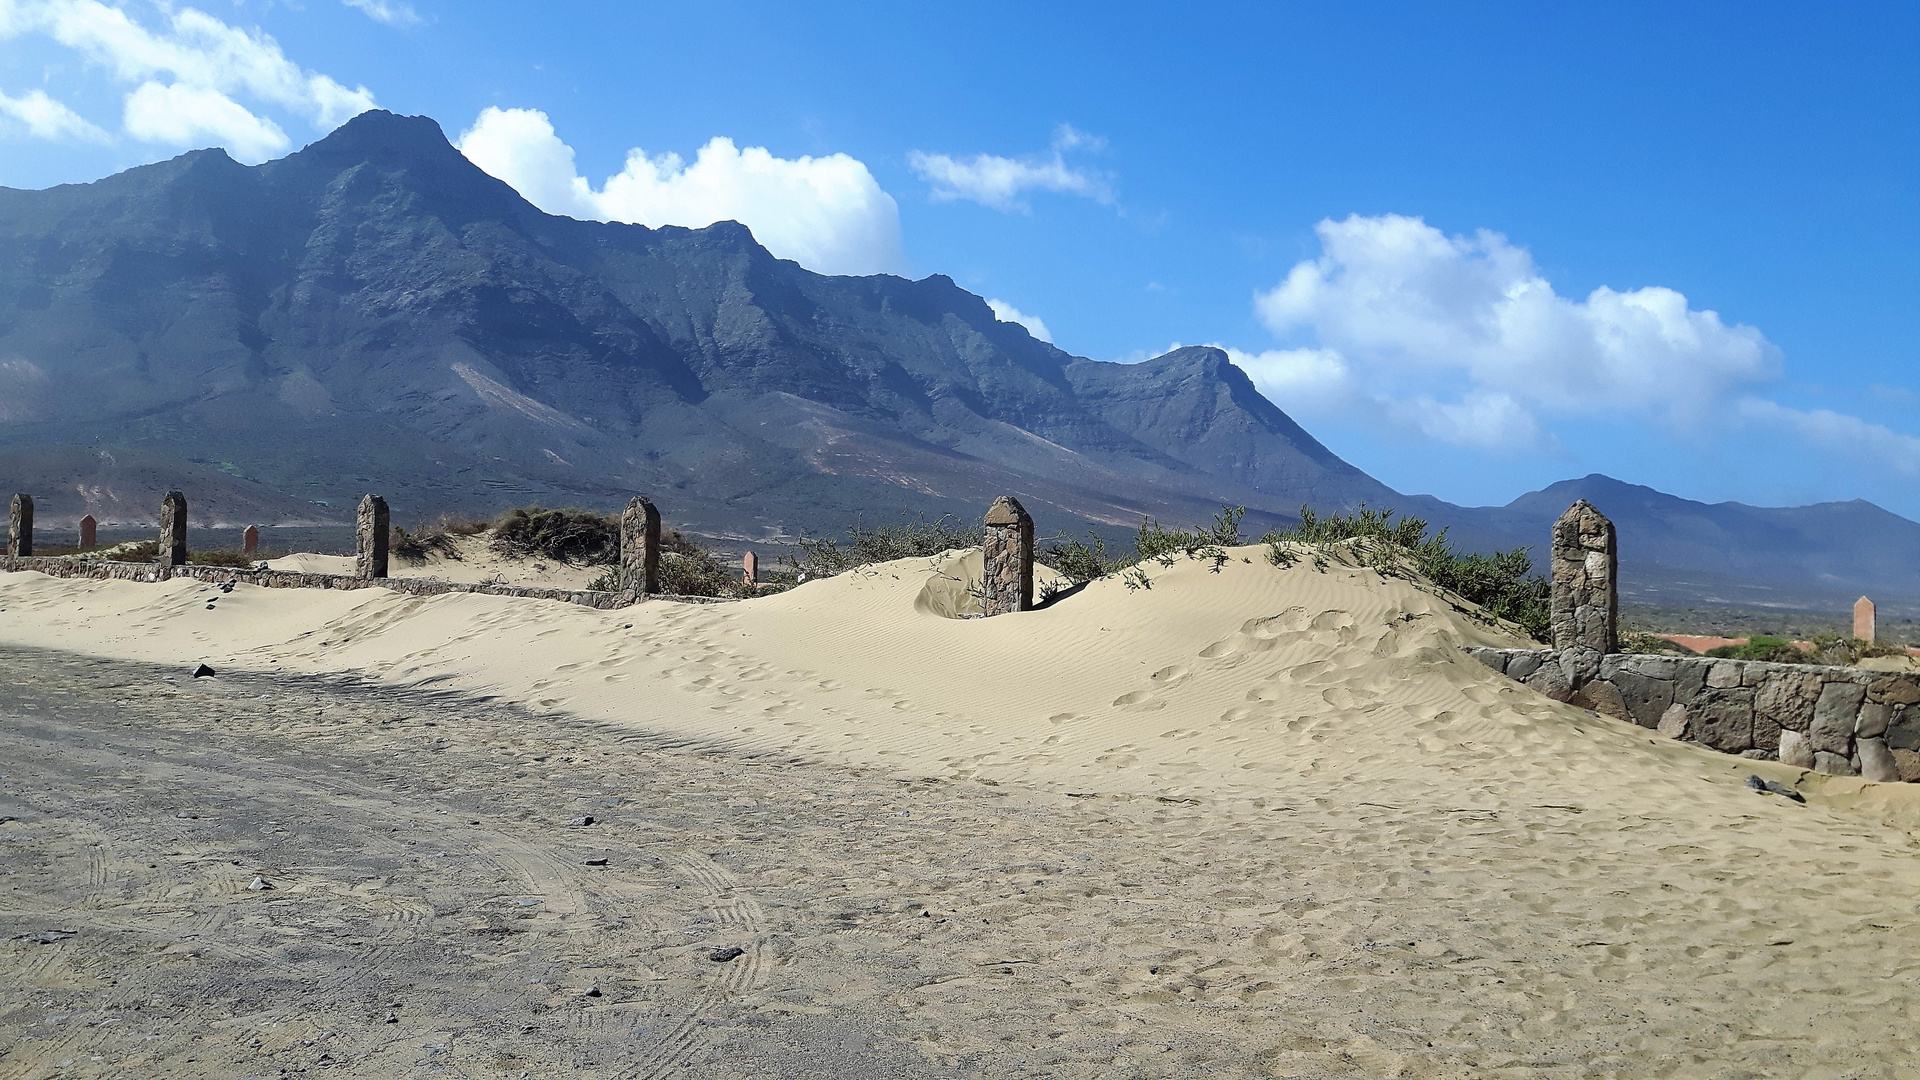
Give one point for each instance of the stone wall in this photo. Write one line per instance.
(284, 579)
(1841, 721)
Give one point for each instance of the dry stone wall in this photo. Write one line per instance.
(100, 569)
(1841, 721)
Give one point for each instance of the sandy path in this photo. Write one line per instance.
(927, 928)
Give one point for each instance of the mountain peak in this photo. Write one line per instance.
(379, 135)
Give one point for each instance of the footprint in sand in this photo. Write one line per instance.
(1139, 701)
(1173, 675)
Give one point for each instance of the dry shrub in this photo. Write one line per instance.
(569, 537)
(440, 537)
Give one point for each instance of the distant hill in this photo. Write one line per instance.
(374, 313)
(1675, 550)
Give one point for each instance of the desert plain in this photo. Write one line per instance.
(1247, 822)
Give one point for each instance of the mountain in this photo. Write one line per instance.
(1674, 550)
(374, 313)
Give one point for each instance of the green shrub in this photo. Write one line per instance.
(1761, 647)
(569, 537)
(1155, 543)
(1080, 562)
(1501, 584)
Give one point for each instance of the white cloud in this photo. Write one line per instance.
(1463, 341)
(192, 61)
(826, 213)
(1470, 334)
(180, 115)
(1320, 382)
(46, 118)
(1007, 313)
(997, 182)
(381, 11)
(1399, 299)
(1859, 439)
(1291, 378)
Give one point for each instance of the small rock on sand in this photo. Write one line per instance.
(725, 953)
(594, 862)
(203, 672)
(260, 884)
(586, 819)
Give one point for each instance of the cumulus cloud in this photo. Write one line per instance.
(181, 115)
(1464, 339)
(1399, 299)
(1316, 378)
(1007, 313)
(1321, 383)
(827, 213)
(46, 118)
(195, 62)
(381, 11)
(997, 182)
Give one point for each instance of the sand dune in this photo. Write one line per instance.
(1519, 848)
(475, 561)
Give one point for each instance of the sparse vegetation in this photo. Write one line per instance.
(1209, 542)
(1827, 649)
(135, 551)
(1762, 647)
(688, 568)
(233, 557)
(1502, 584)
(826, 556)
(1080, 561)
(1633, 642)
(440, 537)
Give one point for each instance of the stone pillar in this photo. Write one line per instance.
(640, 546)
(250, 540)
(89, 533)
(1863, 619)
(20, 527)
(1009, 557)
(173, 530)
(1586, 593)
(370, 535)
(749, 569)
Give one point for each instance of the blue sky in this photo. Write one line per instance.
(1474, 248)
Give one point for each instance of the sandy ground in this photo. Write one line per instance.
(1258, 822)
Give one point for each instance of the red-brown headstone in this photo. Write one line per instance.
(1863, 627)
(750, 569)
(89, 533)
(251, 539)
